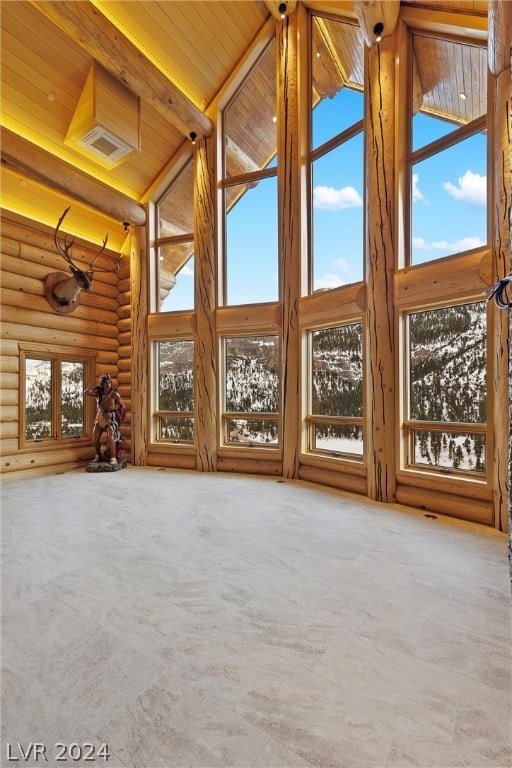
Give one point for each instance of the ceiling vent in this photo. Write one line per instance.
(104, 144)
(106, 124)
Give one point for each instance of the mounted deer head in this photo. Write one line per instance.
(62, 291)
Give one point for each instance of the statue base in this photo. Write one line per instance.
(106, 466)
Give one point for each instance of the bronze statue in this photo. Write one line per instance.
(111, 412)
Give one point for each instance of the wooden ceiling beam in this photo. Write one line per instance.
(84, 23)
(31, 162)
(372, 12)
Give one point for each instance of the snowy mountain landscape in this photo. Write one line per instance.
(252, 386)
(39, 415)
(447, 385)
(337, 387)
(448, 354)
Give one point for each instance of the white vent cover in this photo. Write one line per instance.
(104, 144)
(105, 126)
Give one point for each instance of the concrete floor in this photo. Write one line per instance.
(189, 619)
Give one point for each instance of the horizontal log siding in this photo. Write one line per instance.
(334, 479)
(250, 465)
(28, 256)
(477, 510)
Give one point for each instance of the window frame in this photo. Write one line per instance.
(56, 356)
(227, 416)
(250, 178)
(410, 426)
(182, 166)
(233, 181)
(157, 414)
(434, 283)
(311, 420)
(315, 153)
(427, 151)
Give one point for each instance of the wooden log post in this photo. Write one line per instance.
(35, 163)
(206, 356)
(500, 31)
(380, 344)
(289, 251)
(372, 12)
(139, 346)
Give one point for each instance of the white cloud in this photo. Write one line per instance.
(342, 265)
(417, 194)
(331, 199)
(465, 244)
(472, 188)
(421, 244)
(341, 275)
(328, 280)
(186, 271)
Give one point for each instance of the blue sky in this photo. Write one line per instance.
(449, 193)
(448, 209)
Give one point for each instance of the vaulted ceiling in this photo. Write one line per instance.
(186, 52)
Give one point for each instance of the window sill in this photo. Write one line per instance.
(475, 487)
(349, 465)
(54, 444)
(263, 453)
(170, 447)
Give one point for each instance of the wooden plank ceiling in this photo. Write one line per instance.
(196, 45)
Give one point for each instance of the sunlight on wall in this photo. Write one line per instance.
(34, 201)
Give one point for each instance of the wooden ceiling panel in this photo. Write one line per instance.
(150, 27)
(346, 47)
(255, 104)
(28, 66)
(208, 38)
(327, 80)
(176, 207)
(446, 69)
(35, 33)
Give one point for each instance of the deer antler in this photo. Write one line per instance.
(102, 269)
(65, 252)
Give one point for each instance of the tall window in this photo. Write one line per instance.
(174, 245)
(335, 420)
(250, 188)
(251, 391)
(53, 403)
(447, 408)
(337, 154)
(174, 412)
(448, 158)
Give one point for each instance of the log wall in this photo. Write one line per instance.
(28, 255)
